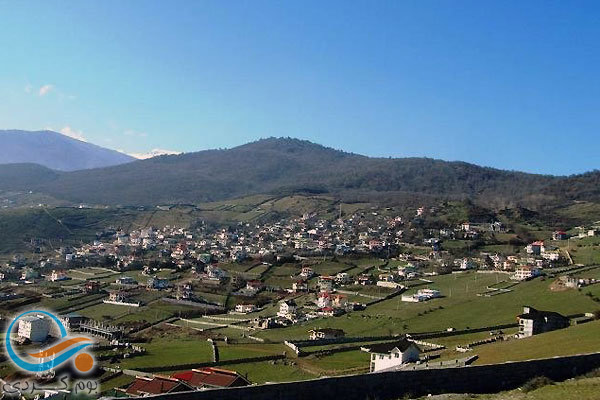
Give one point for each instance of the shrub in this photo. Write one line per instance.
(536, 383)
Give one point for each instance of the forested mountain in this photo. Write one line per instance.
(286, 165)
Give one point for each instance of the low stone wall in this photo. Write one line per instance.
(394, 385)
(180, 367)
(430, 335)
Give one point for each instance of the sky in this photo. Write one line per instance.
(507, 84)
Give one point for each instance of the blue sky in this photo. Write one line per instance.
(508, 84)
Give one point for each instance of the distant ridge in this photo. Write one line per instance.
(55, 151)
(284, 166)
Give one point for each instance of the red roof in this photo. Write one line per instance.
(155, 385)
(214, 377)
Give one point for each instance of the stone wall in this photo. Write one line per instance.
(395, 385)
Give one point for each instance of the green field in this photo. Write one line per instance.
(163, 351)
(239, 351)
(577, 339)
(338, 362)
(460, 308)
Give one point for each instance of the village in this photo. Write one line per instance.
(306, 296)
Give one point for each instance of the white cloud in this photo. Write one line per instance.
(44, 90)
(72, 133)
(153, 153)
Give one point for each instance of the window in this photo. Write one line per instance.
(397, 355)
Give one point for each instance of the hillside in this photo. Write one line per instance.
(55, 151)
(285, 166)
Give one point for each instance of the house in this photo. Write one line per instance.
(307, 272)
(254, 286)
(185, 291)
(565, 282)
(287, 309)
(467, 264)
(342, 278)
(388, 281)
(375, 245)
(326, 283)
(551, 255)
(157, 283)
(421, 295)
(29, 274)
(91, 287)
(559, 235)
(386, 356)
(339, 301)
(264, 323)
(525, 272)
(364, 280)
(34, 328)
(533, 322)
(71, 321)
(326, 334)
(535, 248)
(329, 312)
(300, 286)
(212, 271)
(117, 297)
(211, 377)
(245, 308)
(144, 386)
(58, 275)
(324, 300)
(126, 280)
(408, 272)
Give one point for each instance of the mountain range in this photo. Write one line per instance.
(55, 151)
(285, 165)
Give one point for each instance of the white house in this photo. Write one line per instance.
(326, 333)
(307, 272)
(386, 356)
(467, 264)
(324, 300)
(58, 276)
(34, 328)
(536, 248)
(525, 272)
(287, 308)
(326, 283)
(421, 295)
(300, 286)
(245, 308)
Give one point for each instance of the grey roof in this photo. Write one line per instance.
(382, 348)
(537, 314)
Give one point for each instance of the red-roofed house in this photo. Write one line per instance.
(535, 248)
(559, 235)
(323, 300)
(143, 386)
(211, 377)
